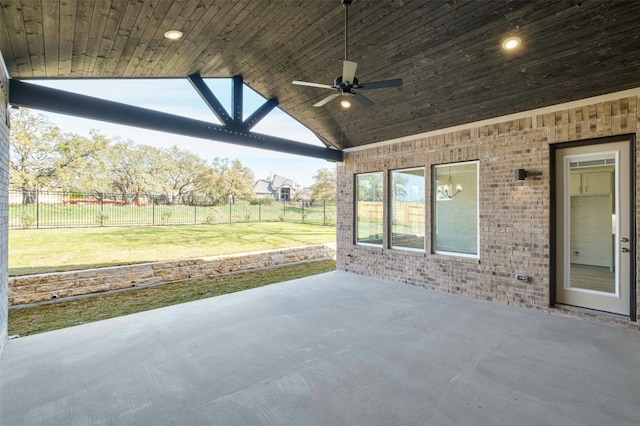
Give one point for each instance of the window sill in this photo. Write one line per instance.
(475, 260)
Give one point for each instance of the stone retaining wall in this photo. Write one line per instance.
(43, 287)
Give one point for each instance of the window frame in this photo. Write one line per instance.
(434, 210)
(391, 209)
(381, 245)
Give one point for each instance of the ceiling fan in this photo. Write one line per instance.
(347, 84)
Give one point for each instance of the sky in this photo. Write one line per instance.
(177, 96)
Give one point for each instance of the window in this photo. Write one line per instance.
(455, 218)
(369, 209)
(284, 194)
(407, 209)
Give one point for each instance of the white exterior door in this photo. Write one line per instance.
(593, 222)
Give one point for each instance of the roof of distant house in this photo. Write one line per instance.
(272, 184)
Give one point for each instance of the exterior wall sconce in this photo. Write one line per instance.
(521, 174)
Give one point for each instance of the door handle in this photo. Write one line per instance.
(624, 250)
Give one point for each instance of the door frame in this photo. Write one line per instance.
(557, 240)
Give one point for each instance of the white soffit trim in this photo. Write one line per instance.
(496, 120)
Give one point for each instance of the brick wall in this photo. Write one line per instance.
(514, 215)
(44, 287)
(4, 203)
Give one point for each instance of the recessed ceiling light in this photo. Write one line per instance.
(345, 103)
(173, 34)
(511, 43)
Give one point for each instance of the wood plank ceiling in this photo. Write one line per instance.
(447, 52)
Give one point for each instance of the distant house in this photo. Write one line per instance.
(277, 187)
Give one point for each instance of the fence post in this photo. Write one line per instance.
(195, 212)
(153, 210)
(37, 209)
(302, 211)
(259, 210)
(229, 201)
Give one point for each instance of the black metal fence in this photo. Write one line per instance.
(45, 209)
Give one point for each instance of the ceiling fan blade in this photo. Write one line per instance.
(306, 83)
(381, 84)
(363, 99)
(327, 99)
(349, 71)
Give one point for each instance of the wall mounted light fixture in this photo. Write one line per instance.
(521, 174)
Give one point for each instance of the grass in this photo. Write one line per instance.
(33, 251)
(59, 315)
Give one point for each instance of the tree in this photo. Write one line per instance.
(370, 187)
(32, 152)
(231, 180)
(42, 157)
(81, 165)
(325, 186)
(133, 169)
(186, 174)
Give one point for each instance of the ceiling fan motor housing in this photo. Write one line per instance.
(337, 83)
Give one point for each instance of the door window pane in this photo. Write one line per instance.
(592, 223)
(407, 209)
(369, 208)
(455, 223)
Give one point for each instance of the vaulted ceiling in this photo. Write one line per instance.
(448, 53)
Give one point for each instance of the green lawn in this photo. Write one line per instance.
(47, 250)
(54, 316)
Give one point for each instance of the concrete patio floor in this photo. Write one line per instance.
(334, 349)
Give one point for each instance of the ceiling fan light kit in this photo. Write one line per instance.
(347, 84)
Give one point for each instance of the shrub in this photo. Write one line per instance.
(165, 215)
(102, 217)
(27, 220)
